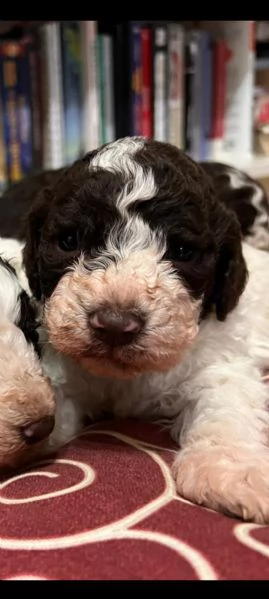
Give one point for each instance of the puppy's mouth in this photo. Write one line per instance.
(126, 360)
(110, 368)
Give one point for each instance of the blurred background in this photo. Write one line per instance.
(68, 86)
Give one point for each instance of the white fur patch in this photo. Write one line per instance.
(9, 294)
(11, 250)
(118, 157)
(259, 231)
(134, 236)
(11, 284)
(125, 238)
(237, 180)
(132, 233)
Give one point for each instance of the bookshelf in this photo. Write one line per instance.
(94, 99)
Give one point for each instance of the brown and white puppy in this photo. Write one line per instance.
(131, 217)
(26, 398)
(157, 311)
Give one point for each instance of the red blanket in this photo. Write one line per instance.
(107, 509)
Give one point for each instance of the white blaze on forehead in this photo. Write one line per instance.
(119, 157)
(134, 235)
(126, 238)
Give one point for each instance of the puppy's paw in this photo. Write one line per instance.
(227, 479)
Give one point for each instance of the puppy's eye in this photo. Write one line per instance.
(68, 241)
(181, 253)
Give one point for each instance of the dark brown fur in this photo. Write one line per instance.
(185, 208)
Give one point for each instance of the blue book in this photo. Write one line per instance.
(200, 94)
(72, 90)
(25, 108)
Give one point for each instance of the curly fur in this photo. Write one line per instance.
(246, 197)
(137, 228)
(26, 396)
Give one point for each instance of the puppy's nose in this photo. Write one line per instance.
(39, 430)
(114, 326)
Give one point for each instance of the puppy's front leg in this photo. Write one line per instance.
(223, 433)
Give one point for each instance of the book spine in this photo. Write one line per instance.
(206, 106)
(25, 109)
(147, 82)
(101, 88)
(72, 90)
(136, 85)
(240, 57)
(109, 88)
(35, 85)
(122, 78)
(90, 107)
(160, 83)
(3, 159)
(188, 75)
(195, 97)
(175, 90)
(53, 125)
(9, 52)
(218, 99)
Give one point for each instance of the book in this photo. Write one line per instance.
(205, 95)
(72, 90)
(136, 79)
(147, 82)
(122, 78)
(218, 94)
(3, 169)
(9, 87)
(239, 37)
(101, 88)
(36, 99)
(206, 99)
(233, 79)
(90, 107)
(109, 88)
(24, 106)
(52, 93)
(193, 95)
(175, 90)
(160, 128)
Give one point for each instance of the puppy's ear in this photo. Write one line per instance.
(231, 271)
(230, 275)
(34, 221)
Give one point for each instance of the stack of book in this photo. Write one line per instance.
(67, 87)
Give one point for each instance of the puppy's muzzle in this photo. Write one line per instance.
(115, 327)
